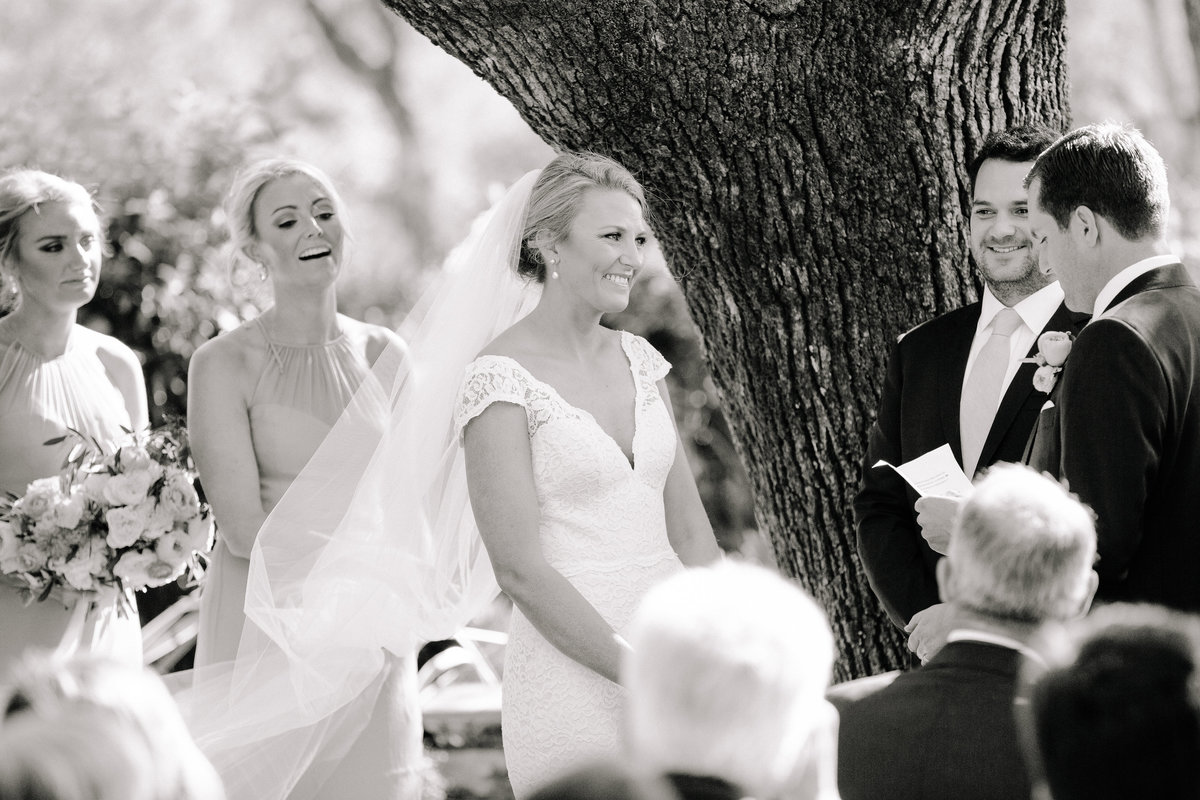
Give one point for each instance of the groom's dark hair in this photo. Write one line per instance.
(1018, 144)
(1113, 171)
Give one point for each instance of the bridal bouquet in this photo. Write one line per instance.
(129, 518)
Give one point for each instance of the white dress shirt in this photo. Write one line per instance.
(1035, 311)
(1126, 276)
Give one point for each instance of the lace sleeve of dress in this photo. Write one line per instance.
(649, 362)
(488, 380)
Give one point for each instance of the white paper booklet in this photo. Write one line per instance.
(935, 474)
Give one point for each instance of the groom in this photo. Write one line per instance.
(1129, 400)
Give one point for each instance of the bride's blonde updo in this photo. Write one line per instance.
(555, 198)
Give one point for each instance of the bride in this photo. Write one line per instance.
(578, 481)
(576, 476)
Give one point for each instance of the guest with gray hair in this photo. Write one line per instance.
(725, 685)
(75, 754)
(47, 692)
(1021, 554)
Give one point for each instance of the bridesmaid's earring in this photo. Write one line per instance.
(554, 273)
(262, 272)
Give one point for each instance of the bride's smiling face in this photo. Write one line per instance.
(298, 232)
(604, 251)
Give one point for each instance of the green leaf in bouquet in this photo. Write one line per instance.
(46, 591)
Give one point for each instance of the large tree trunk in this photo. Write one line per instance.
(806, 162)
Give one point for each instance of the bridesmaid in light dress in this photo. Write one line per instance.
(56, 374)
(261, 398)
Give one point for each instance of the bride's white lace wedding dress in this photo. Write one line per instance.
(603, 527)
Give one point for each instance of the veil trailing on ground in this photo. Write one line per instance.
(373, 548)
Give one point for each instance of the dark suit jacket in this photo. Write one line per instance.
(918, 411)
(1129, 432)
(946, 730)
(702, 787)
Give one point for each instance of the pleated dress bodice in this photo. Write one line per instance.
(42, 398)
(299, 395)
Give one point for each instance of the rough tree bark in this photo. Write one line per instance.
(806, 163)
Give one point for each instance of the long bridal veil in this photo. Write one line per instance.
(373, 548)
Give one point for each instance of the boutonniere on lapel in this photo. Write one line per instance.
(1053, 349)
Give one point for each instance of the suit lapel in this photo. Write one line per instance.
(1157, 278)
(1020, 389)
(952, 364)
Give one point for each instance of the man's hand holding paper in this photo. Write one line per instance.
(943, 486)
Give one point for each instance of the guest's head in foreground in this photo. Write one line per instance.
(49, 687)
(1114, 712)
(51, 243)
(605, 781)
(1097, 204)
(1021, 553)
(1001, 244)
(726, 680)
(75, 753)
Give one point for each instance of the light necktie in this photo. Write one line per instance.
(981, 392)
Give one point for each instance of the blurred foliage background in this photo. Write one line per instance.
(155, 105)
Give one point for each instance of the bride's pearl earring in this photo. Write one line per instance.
(554, 272)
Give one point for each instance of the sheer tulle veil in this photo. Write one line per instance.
(373, 548)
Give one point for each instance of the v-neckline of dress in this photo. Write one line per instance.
(629, 458)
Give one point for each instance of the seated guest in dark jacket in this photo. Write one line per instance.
(1021, 553)
(725, 687)
(1114, 710)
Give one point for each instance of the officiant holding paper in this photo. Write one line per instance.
(959, 379)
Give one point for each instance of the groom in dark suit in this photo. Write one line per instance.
(929, 382)
(1129, 402)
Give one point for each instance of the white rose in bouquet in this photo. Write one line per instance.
(178, 497)
(130, 488)
(68, 513)
(93, 485)
(138, 569)
(31, 558)
(174, 548)
(40, 498)
(134, 457)
(125, 525)
(89, 561)
(158, 520)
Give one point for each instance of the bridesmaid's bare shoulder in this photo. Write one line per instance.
(237, 356)
(372, 340)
